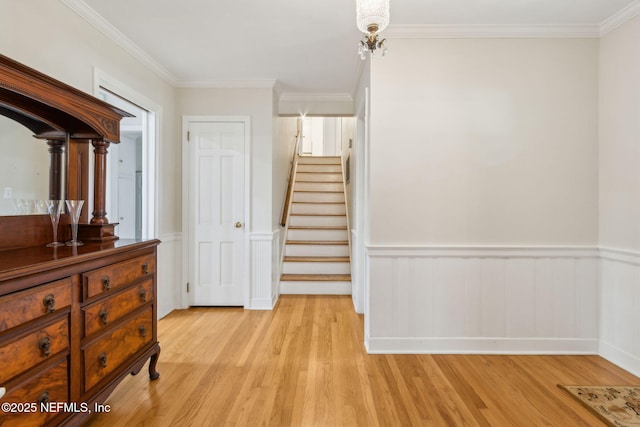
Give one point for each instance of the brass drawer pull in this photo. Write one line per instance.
(44, 398)
(45, 346)
(103, 316)
(143, 331)
(50, 303)
(106, 283)
(145, 268)
(102, 358)
(143, 295)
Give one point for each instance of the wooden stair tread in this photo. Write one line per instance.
(317, 214)
(317, 242)
(306, 181)
(316, 259)
(318, 203)
(317, 227)
(316, 277)
(318, 191)
(334, 172)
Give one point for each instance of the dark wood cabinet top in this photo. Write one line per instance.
(61, 261)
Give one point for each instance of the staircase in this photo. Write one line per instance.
(316, 254)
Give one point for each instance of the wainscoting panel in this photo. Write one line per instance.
(263, 263)
(620, 308)
(169, 273)
(489, 300)
(276, 265)
(357, 273)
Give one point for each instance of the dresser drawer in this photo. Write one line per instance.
(117, 275)
(102, 314)
(29, 350)
(21, 307)
(105, 355)
(51, 385)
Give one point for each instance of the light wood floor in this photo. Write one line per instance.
(304, 364)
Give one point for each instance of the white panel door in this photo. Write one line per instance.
(216, 198)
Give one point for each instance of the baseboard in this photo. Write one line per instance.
(620, 358)
(263, 303)
(534, 346)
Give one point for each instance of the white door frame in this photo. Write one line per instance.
(186, 241)
(150, 153)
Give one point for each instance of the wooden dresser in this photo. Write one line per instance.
(73, 323)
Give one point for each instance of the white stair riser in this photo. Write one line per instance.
(315, 221)
(318, 186)
(318, 197)
(318, 208)
(319, 168)
(316, 250)
(316, 268)
(323, 235)
(315, 288)
(309, 160)
(319, 177)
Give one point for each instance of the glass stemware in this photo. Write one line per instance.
(54, 208)
(74, 207)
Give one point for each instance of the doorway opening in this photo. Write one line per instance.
(323, 136)
(131, 191)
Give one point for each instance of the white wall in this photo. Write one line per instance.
(619, 138)
(620, 195)
(58, 42)
(283, 146)
(485, 142)
(478, 146)
(357, 192)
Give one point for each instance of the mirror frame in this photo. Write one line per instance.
(64, 117)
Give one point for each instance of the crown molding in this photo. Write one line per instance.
(316, 97)
(619, 18)
(227, 84)
(490, 31)
(106, 28)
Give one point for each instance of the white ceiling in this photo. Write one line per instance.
(308, 46)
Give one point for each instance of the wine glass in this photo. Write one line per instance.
(40, 207)
(74, 207)
(54, 208)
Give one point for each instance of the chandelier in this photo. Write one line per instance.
(372, 16)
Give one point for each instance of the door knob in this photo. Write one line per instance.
(238, 224)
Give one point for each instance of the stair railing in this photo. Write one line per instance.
(292, 174)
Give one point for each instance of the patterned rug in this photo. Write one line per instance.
(616, 405)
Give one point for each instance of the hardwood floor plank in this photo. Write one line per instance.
(304, 364)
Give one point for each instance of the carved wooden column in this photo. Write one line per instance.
(56, 151)
(100, 150)
(99, 229)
